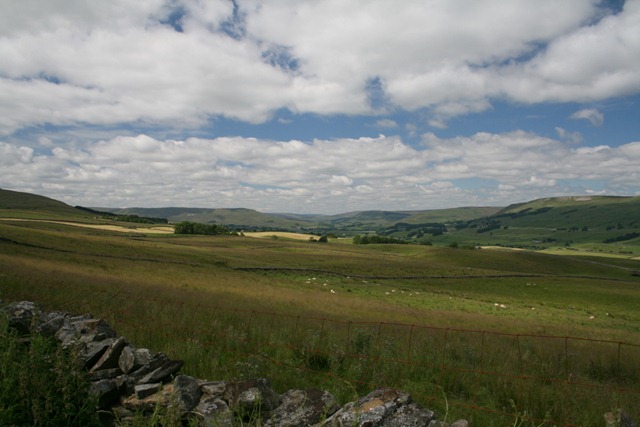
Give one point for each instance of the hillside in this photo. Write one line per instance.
(358, 221)
(554, 222)
(33, 204)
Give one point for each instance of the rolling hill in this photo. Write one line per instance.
(33, 204)
(546, 223)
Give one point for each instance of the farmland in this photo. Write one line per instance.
(495, 335)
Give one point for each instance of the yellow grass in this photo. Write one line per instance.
(287, 235)
(133, 229)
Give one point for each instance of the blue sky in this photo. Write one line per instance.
(320, 106)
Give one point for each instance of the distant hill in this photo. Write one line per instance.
(18, 201)
(575, 211)
(551, 222)
(359, 220)
(236, 217)
(548, 222)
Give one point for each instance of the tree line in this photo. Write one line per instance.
(187, 227)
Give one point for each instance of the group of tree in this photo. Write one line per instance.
(622, 238)
(373, 239)
(187, 227)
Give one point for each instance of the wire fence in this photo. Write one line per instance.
(527, 377)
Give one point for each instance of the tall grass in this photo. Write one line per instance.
(181, 296)
(40, 384)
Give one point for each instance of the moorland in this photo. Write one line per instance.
(530, 318)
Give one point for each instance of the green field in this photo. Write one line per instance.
(495, 336)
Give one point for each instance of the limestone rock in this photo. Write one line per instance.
(145, 390)
(251, 398)
(214, 412)
(109, 360)
(618, 418)
(50, 323)
(106, 391)
(301, 408)
(150, 403)
(187, 392)
(84, 329)
(91, 352)
(381, 408)
(21, 316)
(132, 359)
(213, 388)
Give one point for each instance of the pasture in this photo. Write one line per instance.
(497, 337)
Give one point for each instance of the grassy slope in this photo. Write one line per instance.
(580, 223)
(165, 292)
(32, 205)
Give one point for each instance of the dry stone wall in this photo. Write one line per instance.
(126, 381)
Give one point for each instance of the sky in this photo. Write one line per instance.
(319, 106)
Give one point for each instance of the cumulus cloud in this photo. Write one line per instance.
(595, 117)
(183, 62)
(387, 123)
(322, 176)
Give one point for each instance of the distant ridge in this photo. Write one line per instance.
(613, 214)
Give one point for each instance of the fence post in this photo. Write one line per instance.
(519, 352)
(566, 358)
(444, 347)
(410, 353)
(482, 352)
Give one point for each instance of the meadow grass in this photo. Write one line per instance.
(39, 384)
(351, 318)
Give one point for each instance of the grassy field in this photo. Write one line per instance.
(498, 337)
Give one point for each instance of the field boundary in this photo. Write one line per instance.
(411, 277)
(255, 337)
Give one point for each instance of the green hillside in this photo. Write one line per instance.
(570, 222)
(234, 217)
(452, 214)
(33, 205)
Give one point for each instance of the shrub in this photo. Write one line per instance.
(40, 384)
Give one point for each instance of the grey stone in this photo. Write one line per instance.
(21, 316)
(145, 390)
(50, 323)
(132, 359)
(109, 360)
(252, 397)
(187, 392)
(151, 402)
(91, 352)
(106, 391)
(302, 408)
(381, 408)
(75, 328)
(213, 388)
(104, 374)
(163, 372)
(410, 415)
(460, 423)
(618, 418)
(214, 412)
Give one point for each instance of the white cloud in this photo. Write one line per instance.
(595, 117)
(387, 123)
(69, 62)
(324, 176)
(573, 137)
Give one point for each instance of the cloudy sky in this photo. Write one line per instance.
(319, 106)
